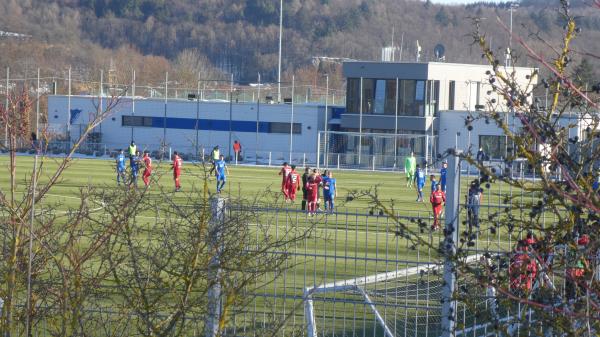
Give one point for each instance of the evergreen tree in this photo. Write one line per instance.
(442, 18)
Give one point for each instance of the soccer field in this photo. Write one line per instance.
(355, 242)
(247, 181)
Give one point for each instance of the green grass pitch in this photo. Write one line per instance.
(344, 246)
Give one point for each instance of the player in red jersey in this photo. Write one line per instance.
(312, 187)
(148, 168)
(177, 162)
(292, 184)
(285, 171)
(437, 199)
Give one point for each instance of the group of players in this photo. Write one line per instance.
(219, 167)
(136, 162)
(311, 184)
(415, 175)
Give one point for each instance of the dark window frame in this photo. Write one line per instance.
(451, 95)
(136, 121)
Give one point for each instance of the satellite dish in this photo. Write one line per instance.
(439, 51)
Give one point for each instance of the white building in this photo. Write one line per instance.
(487, 135)
(262, 129)
(407, 99)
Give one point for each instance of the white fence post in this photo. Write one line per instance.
(304, 159)
(449, 305)
(338, 161)
(269, 158)
(373, 164)
(426, 154)
(216, 224)
(318, 148)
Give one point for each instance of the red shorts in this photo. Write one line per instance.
(291, 192)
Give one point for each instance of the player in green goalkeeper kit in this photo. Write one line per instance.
(410, 166)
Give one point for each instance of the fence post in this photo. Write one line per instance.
(338, 161)
(213, 315)
(170, 154)
(373, 164)
(318, 148)
(451, 233)
(269, 158)
(426, 162)
(304, 159)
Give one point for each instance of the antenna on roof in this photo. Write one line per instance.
(393, 49)
(439, 52)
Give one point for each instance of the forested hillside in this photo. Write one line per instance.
(241, 36)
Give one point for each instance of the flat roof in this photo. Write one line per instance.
(412, 70)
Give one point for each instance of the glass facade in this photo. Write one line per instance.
(494, 146)
(380, 97)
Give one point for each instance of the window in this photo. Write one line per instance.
(433, 94)
(368, 95)
(379, 106)
(277, 127)
(451, 95)
(136, 121)
(478, 95)
(408, 95)
(494, 146)
(353, 95)
(390, 97)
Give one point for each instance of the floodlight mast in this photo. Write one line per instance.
(280, 43)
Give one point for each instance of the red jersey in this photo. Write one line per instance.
(437, 198)
(293, 180)
(177, 162)
(285, 171)
(147, 162)
(312, 187)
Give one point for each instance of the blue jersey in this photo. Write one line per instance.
(443, 173)
(420, 177)
(134, 163)
(121, 162)
(433, 185)
(220, 165)
(328, 186)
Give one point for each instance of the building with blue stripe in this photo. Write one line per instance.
(264, 130)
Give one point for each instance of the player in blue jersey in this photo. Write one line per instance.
(221, 169)
(434, 183)
(329, 191)
(134, 165)
(443, 173)
(120, 167)
(420, 182)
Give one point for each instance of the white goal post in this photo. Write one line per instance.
(357, 285)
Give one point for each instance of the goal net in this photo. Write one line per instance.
(404, 302)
